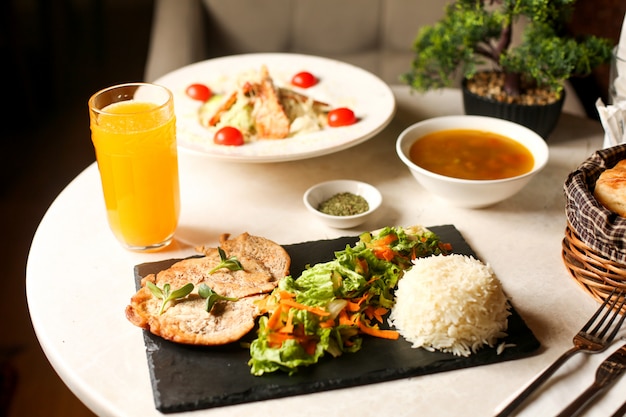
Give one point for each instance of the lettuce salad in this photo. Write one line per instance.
(332, 305)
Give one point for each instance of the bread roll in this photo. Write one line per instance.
(610, 188)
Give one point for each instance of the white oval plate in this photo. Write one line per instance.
(340, 85)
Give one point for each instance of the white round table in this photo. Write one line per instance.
(79, 279)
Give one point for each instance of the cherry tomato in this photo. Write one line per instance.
(199, 92)
(341, 116)
(229, 136)
(304, 80)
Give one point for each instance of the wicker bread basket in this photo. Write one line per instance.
(594, 246)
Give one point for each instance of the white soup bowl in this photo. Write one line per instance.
(467, 193)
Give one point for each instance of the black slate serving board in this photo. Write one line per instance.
(188, 378)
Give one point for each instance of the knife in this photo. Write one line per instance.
(606, 374)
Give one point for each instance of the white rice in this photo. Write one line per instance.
(450, 303)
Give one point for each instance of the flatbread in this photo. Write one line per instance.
(610, 190)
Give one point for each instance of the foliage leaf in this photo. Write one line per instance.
(211, 296)
(165, 295)
(231, 263)
(476, 35)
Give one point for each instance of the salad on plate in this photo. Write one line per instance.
(332, 305)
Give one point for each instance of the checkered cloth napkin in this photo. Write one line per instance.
(600, 229)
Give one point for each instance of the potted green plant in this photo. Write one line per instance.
(473, 41)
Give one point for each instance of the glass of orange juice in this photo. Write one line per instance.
(133, 129)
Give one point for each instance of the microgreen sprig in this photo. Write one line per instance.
(211, 296)
(230, 263)
(167, 296)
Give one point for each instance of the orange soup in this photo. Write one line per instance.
(471, 154)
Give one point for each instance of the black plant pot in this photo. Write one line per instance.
(541, 118)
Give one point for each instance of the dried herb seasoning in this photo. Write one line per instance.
(344, 204)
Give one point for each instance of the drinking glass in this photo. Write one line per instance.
(133, 130)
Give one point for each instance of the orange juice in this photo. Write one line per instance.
(135, 145)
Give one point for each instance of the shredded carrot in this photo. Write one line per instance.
(361, 267)
(384, 253)
(381, 248)
(343, 318)
(327, 324)
(352, 306)
(362, 299)
(347, 320)
(390, 238)
(308, 343)
(373, 280)
(376, 332)
(274, 318)
(314, 310)
(275, 338)
(285, 295)
(288, 327)
(375, 313)
(366, 297)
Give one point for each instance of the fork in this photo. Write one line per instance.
(607, 373)
(588, 341)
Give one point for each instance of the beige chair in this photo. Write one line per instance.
(376, 35)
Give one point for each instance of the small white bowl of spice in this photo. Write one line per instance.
(342, 203)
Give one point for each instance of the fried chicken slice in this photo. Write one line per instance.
(186, 320)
